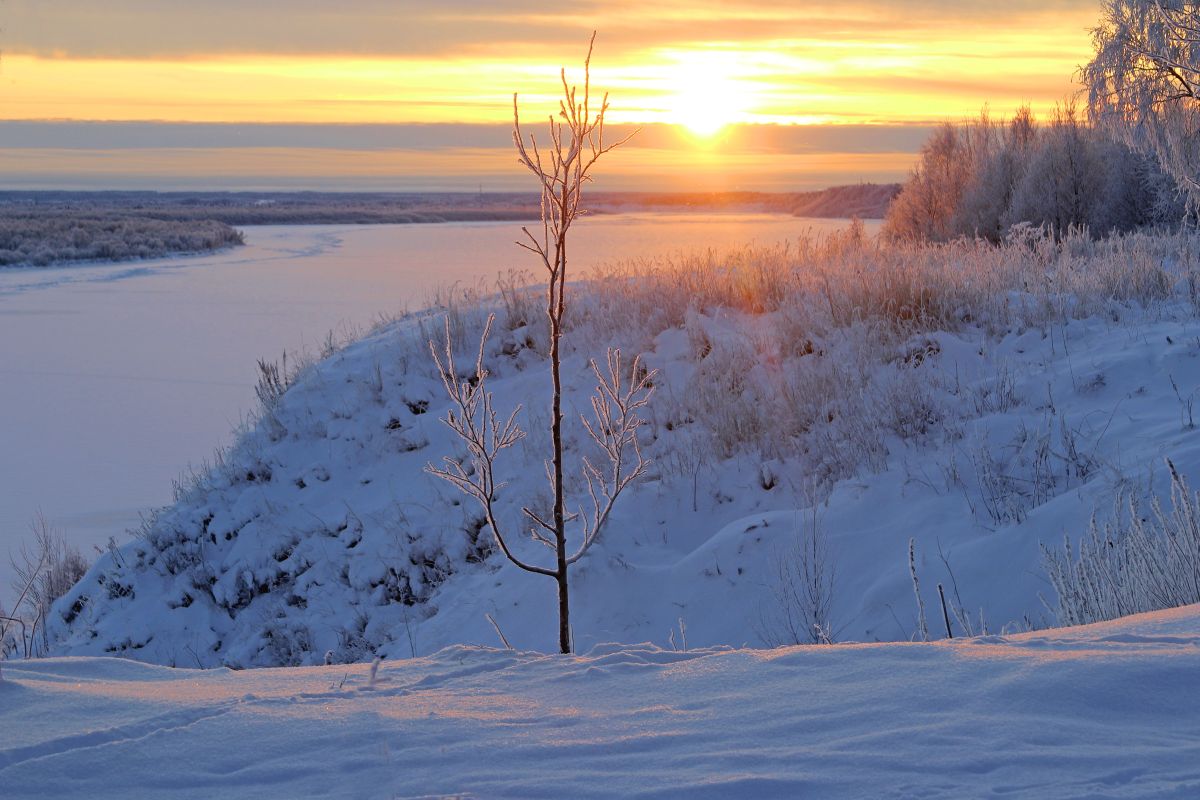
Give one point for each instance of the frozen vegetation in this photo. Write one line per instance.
(817, 407)
(988, 179)
(45, 237)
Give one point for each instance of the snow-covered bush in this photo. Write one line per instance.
(1143, 559)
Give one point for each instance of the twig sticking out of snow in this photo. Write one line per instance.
(499, 632)
(945, 614)
(922, 626)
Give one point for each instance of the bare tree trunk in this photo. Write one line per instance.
(564, 610)
(560, 515)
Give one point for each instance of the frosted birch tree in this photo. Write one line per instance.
(1144, 81)
(562, 166)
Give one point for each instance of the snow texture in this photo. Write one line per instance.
(1110, 710)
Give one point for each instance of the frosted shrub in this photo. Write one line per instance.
(908, 405)
(802, 590)
(522, 307)
(290, 645)
(1135, 562)
(45, 570)
(722, 394)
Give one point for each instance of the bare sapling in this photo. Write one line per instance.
(562, 168)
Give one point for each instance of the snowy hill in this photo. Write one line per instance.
(980, 401)
(1107, 710)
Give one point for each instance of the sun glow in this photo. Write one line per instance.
(709, 96)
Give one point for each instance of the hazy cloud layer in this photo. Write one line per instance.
(742, 139)
(282, 169)
(222, 69)
(188, 29)
(42, 155)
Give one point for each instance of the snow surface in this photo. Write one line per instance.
(1105, 711)
(115, 377)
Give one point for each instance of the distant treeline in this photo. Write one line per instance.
(42, 239)
(983, 178)
(361, 208)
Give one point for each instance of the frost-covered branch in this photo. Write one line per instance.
(474, 420)
(616, 406)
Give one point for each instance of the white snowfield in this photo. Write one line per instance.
(1110, 710)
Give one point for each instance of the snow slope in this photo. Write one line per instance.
(999, 426)
(113, 378)
(1105, 711)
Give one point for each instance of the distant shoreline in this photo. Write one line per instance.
(56, 236)
(45, 228)
(866, 200)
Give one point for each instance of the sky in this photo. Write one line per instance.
(381, 94)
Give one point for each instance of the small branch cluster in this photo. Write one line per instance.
(576, 144)
(616, 407)
(474, 420)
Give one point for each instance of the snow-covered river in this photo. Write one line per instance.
(114, 378)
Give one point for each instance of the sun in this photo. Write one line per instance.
(707, 97)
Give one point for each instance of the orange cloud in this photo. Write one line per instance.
(459, 60)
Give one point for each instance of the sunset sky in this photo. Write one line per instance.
(400, 95)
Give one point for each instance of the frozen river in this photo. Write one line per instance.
(114, 378)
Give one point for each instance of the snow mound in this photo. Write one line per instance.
(1108, 710)
(318, 537)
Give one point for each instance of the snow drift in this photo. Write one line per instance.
(1108, 710)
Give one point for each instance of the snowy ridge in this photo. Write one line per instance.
(1107, 710)
(997, 424)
